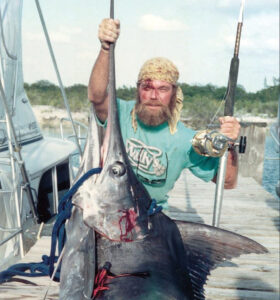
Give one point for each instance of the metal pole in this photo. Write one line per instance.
(15, 190)
(58, 75)
(219, 192)
(55, 190)
(229, 107)
(12, 235)
(17, 149)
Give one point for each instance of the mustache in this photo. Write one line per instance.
(152, 103)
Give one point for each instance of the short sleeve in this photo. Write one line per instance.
(125, 106)
(123, 109)
(203, 167)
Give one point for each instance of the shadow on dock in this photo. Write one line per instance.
(250, 288)
(190, 213)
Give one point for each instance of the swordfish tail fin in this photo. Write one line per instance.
(207, 246)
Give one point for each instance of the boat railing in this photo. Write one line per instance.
(79, 125)
(14, 233)
(18, 196)
(13, 162)
(81, 138)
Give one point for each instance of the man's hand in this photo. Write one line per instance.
(109, 31)
(230, 127)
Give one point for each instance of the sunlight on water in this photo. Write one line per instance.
(271, 169)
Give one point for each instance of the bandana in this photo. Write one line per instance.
(161, 68)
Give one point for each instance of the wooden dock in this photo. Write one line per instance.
(248, 210)
(31, 288)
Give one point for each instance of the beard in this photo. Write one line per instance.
(152, 117)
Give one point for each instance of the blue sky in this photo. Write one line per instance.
(198, 35)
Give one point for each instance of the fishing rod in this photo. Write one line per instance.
(228, 111)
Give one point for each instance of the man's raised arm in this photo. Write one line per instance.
(108, 32)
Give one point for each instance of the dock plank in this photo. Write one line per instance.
(35, 287)
(248, 210)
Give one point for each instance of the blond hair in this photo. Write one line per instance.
(160, 68)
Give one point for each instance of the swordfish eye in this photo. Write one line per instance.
(117, 169)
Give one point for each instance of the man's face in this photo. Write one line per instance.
(154, 101)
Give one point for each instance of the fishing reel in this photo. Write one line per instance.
(214, 144)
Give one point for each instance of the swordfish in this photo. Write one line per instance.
(115, 250)
(161, 259)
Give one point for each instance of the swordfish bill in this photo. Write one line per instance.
(118, 209)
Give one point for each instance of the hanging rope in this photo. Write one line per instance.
(104, 275)
(58, 238)
(46, 267)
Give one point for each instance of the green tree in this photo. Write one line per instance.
(200, 101)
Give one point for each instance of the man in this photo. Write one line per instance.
(157, 143)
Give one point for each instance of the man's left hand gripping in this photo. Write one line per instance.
(230, 127)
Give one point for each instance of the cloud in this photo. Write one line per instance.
(151, 22)
(62, 35)
(86, 55)
(70, 30)
(224, 3)
(230, 3)
(260, 34)
(56, 37)
(33, 37)
(231, 7)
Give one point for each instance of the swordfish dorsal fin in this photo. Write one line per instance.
(206, 246)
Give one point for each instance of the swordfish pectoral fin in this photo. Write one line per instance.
(206, 246)
(78, 263)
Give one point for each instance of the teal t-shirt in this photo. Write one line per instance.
(157, 157)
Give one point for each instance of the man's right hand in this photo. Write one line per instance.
(109, 31)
